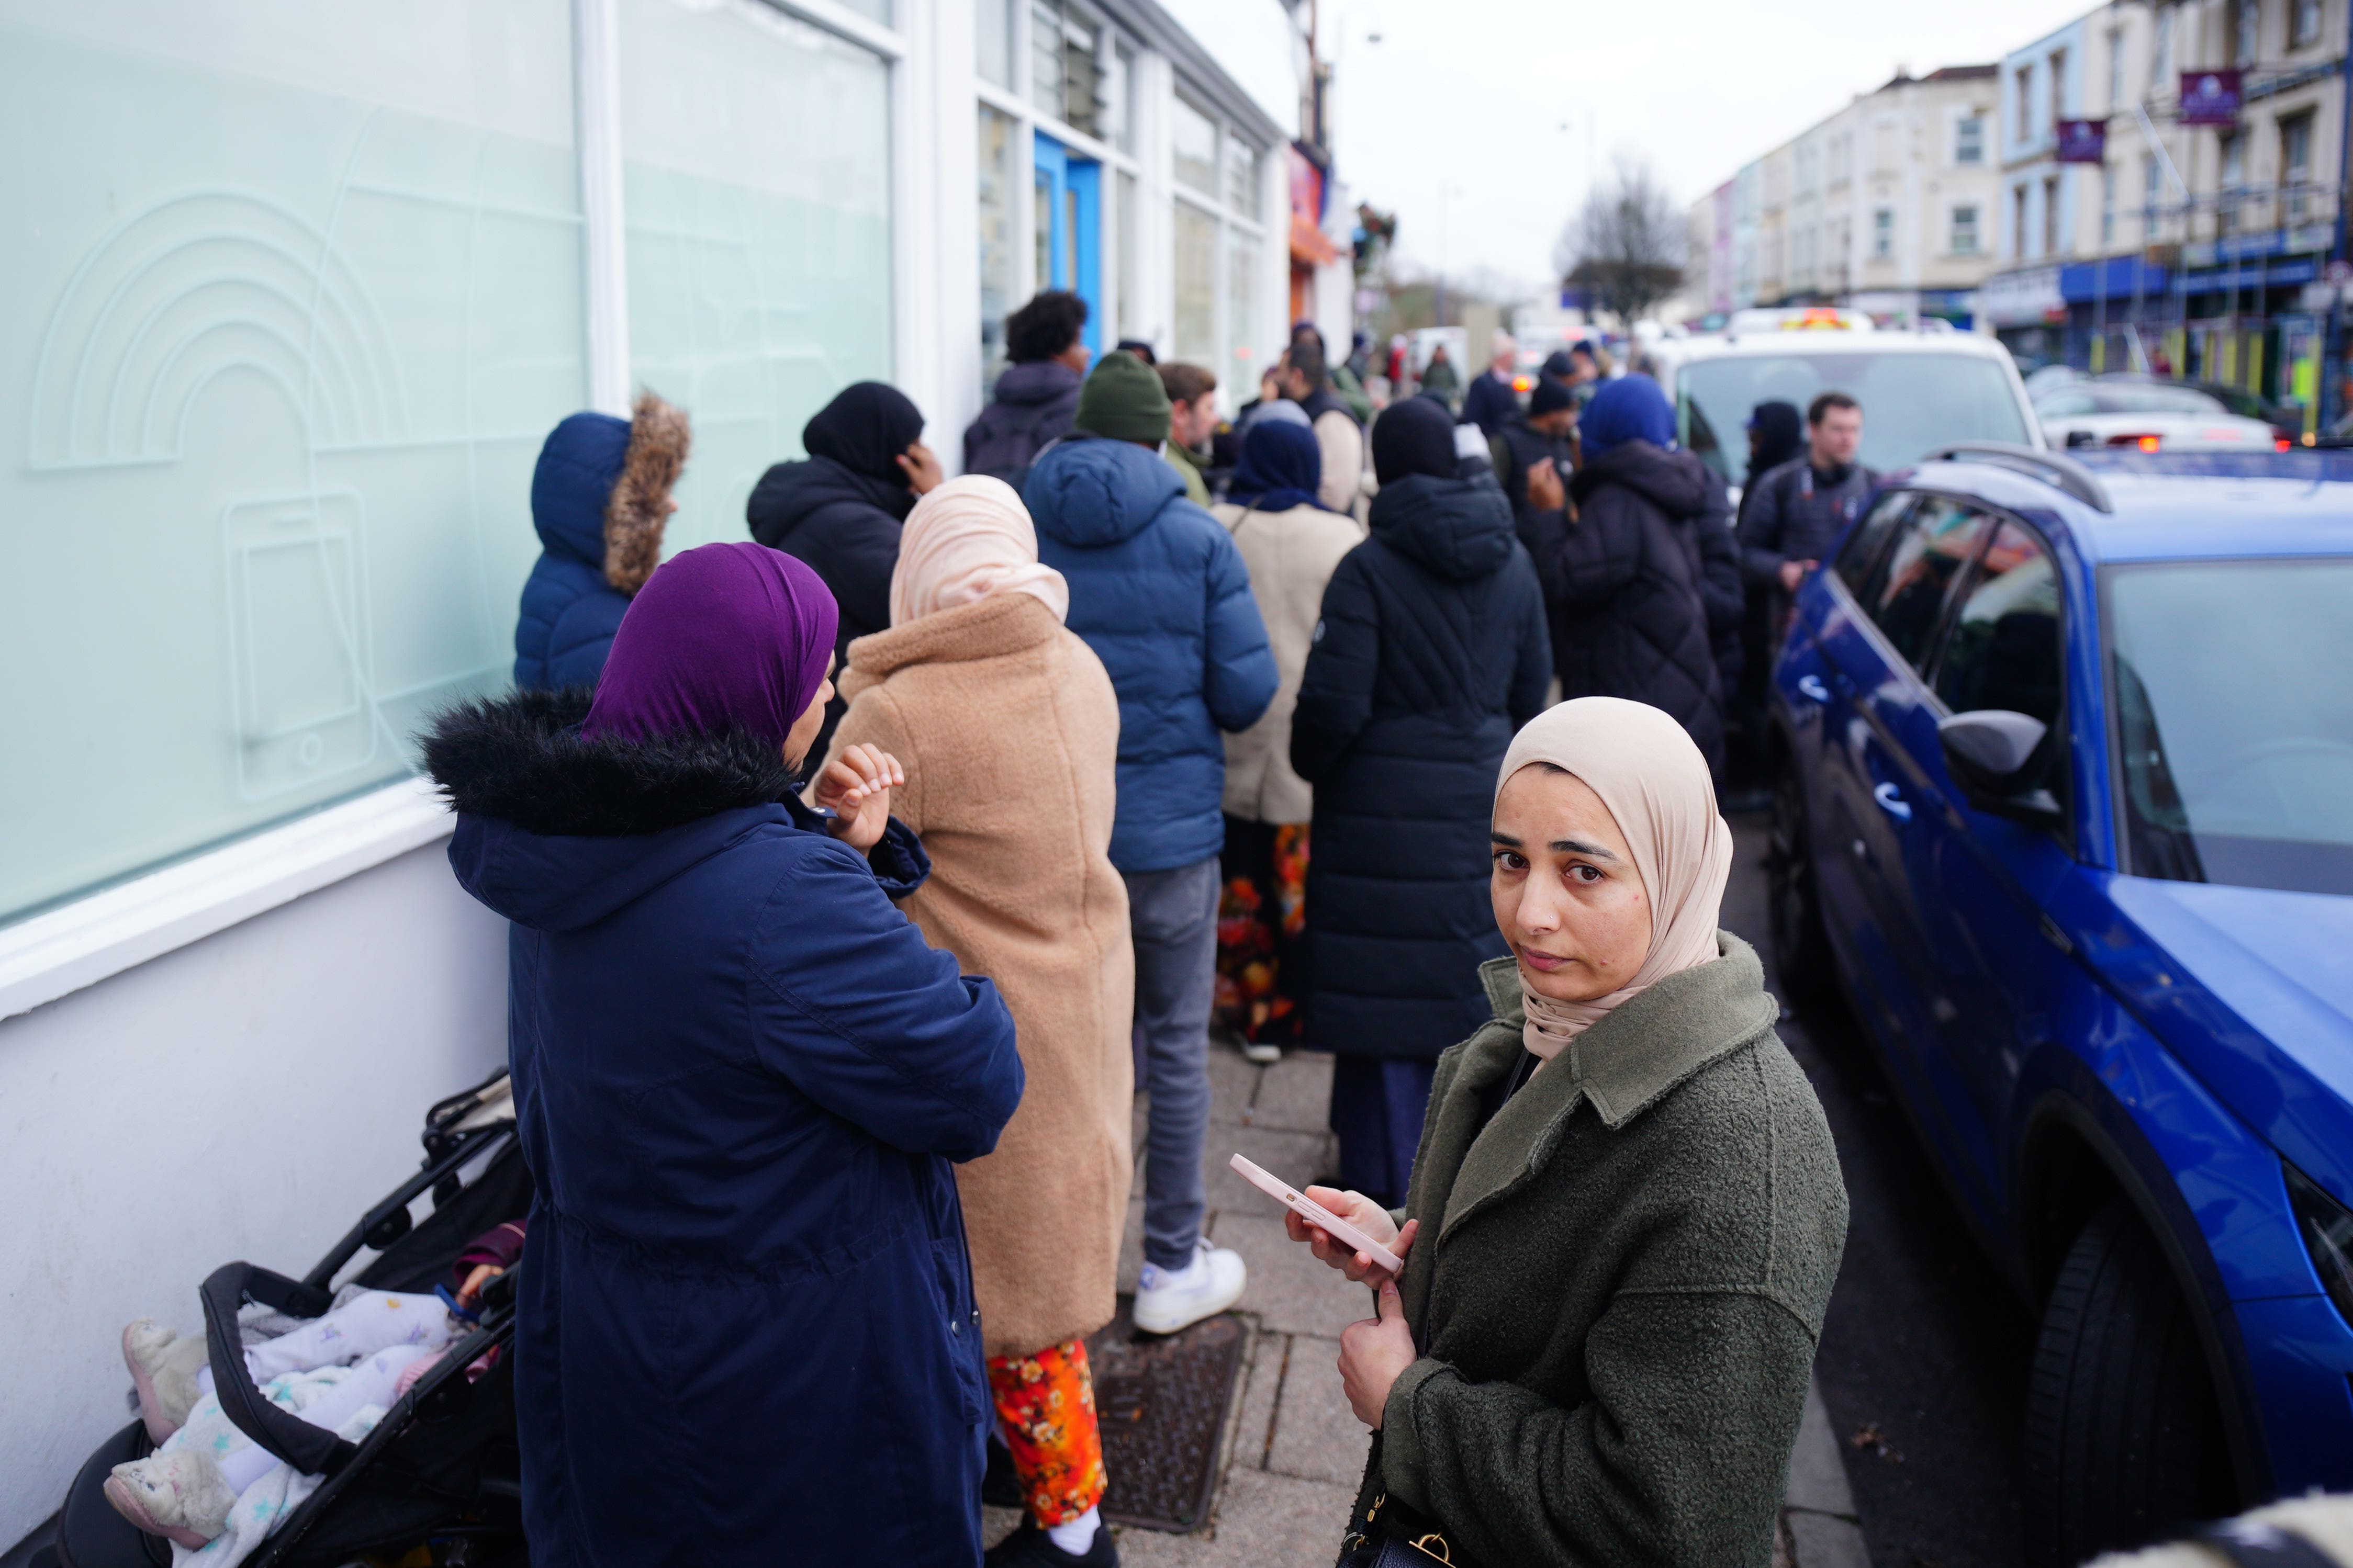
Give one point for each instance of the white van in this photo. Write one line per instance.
(1919, 389)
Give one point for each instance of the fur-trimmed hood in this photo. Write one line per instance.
(521, 759)
(599, 494)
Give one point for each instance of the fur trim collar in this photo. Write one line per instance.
(520, 758)
(985, 628)
(635, 516)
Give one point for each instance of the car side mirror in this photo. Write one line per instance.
(1997, 756)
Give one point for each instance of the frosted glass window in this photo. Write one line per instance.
(992, 21)
(757, 184)
(295, 296)
(1242, 182)
(1241, 310)
(998, 137)
(1193, 138)
(1195, 329)
(1131, 297)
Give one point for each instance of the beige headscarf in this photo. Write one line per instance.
(967, 540)
(1655, 783)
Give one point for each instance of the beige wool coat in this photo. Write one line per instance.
(1290, 555)
(1009, 731)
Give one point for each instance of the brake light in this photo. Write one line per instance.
(2145, 443)
(2327, 1226)
(2282, 445)
(1523, 384)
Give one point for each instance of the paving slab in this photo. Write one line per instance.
(1818, 1481)
(1296, 1157)
(1290, 1291)
(1263, 1521)
(1233, 1084)
(1262, 1387)
(1316, 1436)
(1294, 1095)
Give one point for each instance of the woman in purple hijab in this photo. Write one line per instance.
(741, 1076)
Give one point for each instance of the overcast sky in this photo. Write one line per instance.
(1472, 96)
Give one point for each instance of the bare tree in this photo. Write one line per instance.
(1625, 246)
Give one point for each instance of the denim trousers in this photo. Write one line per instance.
(1172, 917)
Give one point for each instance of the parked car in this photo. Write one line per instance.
(1918, 389)
(2065, 807)
(2147, 415)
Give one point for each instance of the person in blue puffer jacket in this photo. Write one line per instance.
(599, 498)
(1160, 593)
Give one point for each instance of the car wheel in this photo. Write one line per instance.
(2123, 1431)
(1801, 948)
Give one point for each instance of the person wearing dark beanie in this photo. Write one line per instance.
(1415, 436)
(1124, 401)
(1544, 434)
(1432, 651)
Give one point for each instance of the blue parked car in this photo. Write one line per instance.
(2064, 803)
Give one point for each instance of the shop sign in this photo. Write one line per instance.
(2031, 298)
(2209, 96)
(2083, 140)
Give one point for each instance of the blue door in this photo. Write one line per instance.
(1069, 230)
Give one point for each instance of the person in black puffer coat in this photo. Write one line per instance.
(841, 508)
(1626, 572)
(1431, 654)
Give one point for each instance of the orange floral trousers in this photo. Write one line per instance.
(1046, 1404)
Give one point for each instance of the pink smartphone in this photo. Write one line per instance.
(1317, 1215)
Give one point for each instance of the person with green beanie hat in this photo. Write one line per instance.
(1159, 591)
(1123, 400)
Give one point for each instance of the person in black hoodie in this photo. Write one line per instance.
(1640, 574)
(1776, 433)
(840, 508)
(1431, 654)
(1037, 396)
(1544, 433)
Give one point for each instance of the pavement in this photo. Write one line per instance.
(1293, 1452)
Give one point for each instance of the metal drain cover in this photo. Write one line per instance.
(1161, 1403)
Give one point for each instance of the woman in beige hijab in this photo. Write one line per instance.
(1010, 731)
(1600, 1349)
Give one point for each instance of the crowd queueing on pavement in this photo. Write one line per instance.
(859, 872)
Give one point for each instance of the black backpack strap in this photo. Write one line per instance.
(2250, 1544)
(313, 1450)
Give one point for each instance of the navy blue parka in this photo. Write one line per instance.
(746, 1332)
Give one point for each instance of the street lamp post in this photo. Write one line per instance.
(2332, 348)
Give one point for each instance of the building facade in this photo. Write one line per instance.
(2187, 250)
(297, 292)
(1884, 207)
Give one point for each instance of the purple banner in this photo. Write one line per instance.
(2209, 98)
(2083, 140)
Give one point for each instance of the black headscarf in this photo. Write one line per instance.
(1280, 467)
(1558, 366)
(865, 430)
(1415, 436)
(1780, 435)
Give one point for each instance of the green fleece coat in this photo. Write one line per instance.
(1618, 1286)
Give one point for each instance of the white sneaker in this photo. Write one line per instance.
(1264, 1055)
(1168, 1299)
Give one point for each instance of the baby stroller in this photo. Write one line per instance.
(440, 1469)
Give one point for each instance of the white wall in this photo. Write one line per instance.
(244, 1096)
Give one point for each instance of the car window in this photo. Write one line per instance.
(2068, 403)
(2004, 650)
(1936, 541)
(2154, 400)
(1912, 401)
(2234, 736)
(1862, 550)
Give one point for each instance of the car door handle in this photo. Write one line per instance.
(1893, 803)
(1811, 687)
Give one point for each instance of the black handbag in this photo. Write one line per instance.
(1411, 1547)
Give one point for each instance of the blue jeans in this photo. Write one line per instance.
(1172, 917)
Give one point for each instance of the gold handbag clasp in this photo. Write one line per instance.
(1435, 1545)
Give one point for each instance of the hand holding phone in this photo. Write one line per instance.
(1319, 1217)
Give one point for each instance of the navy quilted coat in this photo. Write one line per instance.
(569, 612)
(1159, 591)
(1432, 653)
(746, 1329)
